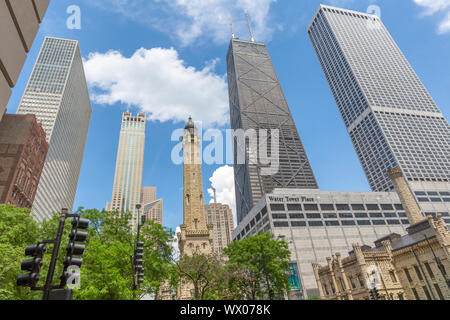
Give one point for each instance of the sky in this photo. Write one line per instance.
(167, 58)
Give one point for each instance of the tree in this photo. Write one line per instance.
(259, 264)
(106, 272)
(204, 273)
(17, 231)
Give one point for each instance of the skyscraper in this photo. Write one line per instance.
(390, 116)
(129, 166)
(257, 102)
(221, 217)
(151, 207)
(58, 95)
(19, 24)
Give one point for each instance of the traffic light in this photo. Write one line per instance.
(74, 248)
(138, 262)
(32, 265)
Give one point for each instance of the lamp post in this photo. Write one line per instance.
(136, 259)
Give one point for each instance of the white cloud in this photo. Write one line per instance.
(223, 181)
(434, 7)
(191, 20)
(159, 83)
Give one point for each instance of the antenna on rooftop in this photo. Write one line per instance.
(231, 28)
(249, 28)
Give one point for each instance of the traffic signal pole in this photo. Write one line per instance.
(56, 245)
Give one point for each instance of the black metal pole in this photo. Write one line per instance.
(135, 284)
(56, 245)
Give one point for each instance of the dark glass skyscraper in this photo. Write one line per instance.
(257, 102)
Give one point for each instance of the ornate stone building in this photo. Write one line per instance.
(196, 235)
(414, 266)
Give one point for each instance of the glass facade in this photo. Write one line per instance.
(58, 95)
(257, 102)
(390, 116)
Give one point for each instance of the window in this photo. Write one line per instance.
(439, 292)
(390, 215)
(430, 272)
(281, 224)
(416, 295)
(358, 207)
(330, 215)
(408, 275)
(360, 215)
(419, 274)
(296, 216)
(352, 281)
(427, 293)
(276, 207)
(364, 222)
(294, 207)
(393, 222)
(345, 215)
(400, 296)
(386, 206)
(298, 223)
(375, 215)
(392, 275)
(348, 223)
(311, 207)
(372, 207)
(342, 207)
(279, 216)
(326, 206)
(332, 223)
(398, 206)
(378, 222)
(313, 215)
(315, 223)
(326, 289)
(361, 280)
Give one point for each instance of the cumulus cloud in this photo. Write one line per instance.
(433, 7)
(223, 181)
(160, 84)
(191, 20)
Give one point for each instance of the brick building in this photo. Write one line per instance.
(23, 150)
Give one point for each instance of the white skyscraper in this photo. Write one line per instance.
(58, 95)
(127, 187)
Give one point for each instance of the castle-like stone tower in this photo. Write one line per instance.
(196, 236)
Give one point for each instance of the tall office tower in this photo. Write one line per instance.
(151, 207)
(129, 166)
(257, 102)
(58, 95)
(221, 217)
(19, 24)
(390, 116)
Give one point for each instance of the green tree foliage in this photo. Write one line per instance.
(253, 259)
(17, 231)
(106, 272)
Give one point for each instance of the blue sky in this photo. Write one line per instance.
(167, 58)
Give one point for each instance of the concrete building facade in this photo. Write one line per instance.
(23, 149)
(152, 208)
(257, 103)
(57, 94)
(319, 223)
(19, 24)
(390, 116)
(221, 217)
(413, 266)
(127, 188)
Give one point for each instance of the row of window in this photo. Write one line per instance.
(332, 207)
(286, 224)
